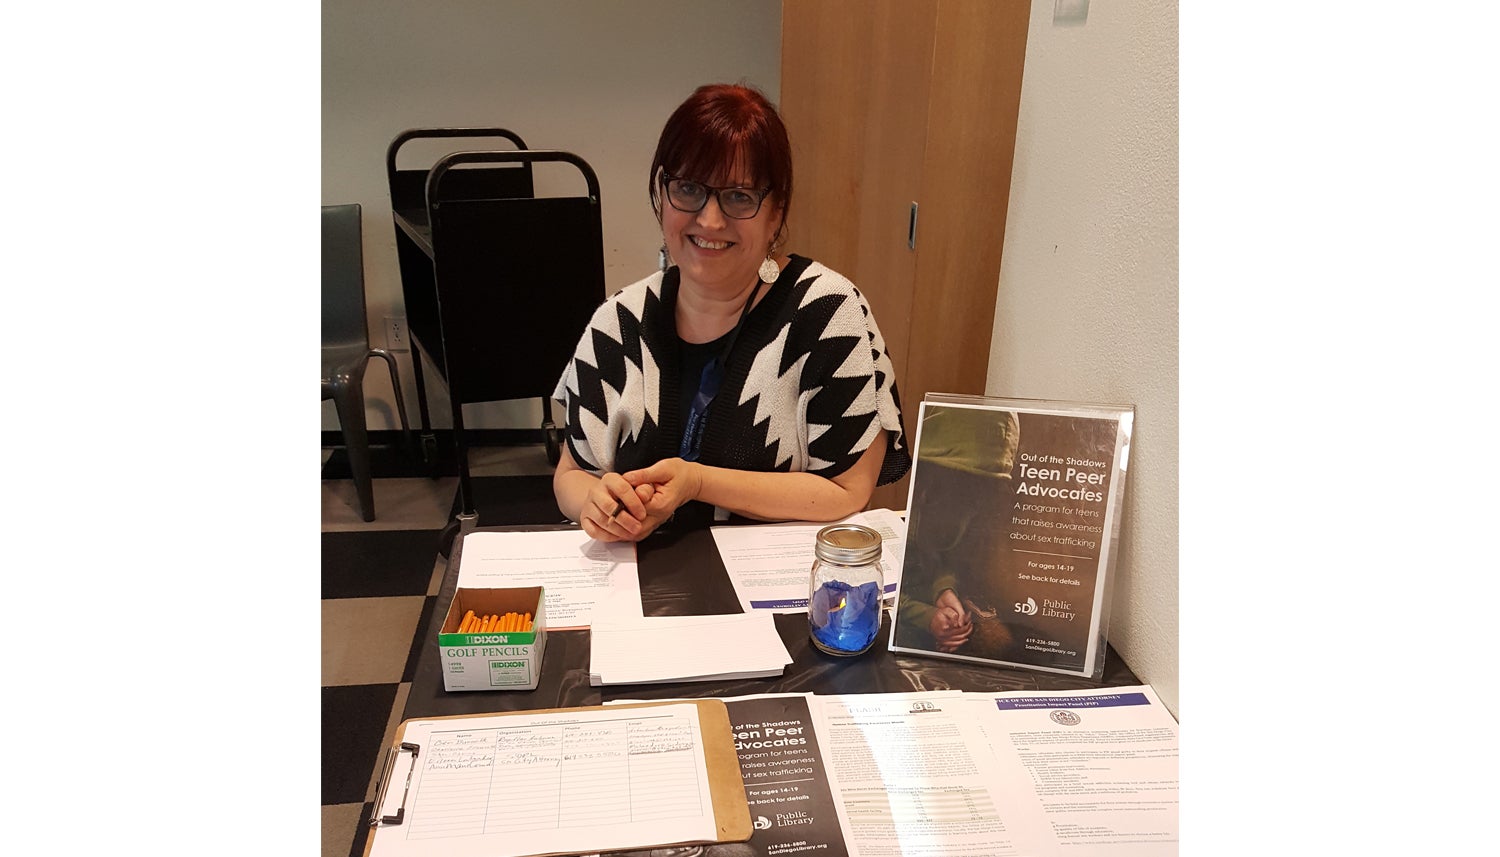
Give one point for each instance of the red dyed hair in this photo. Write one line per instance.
(720, 127)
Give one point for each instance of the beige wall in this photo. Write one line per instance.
(1087, 306)
(593, 77)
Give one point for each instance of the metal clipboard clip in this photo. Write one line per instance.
(376, 819)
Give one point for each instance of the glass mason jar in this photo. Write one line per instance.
(844, 589)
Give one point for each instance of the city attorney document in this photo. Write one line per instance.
(1099, 766)
(575, 572)
(547, 783)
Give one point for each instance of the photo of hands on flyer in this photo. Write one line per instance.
(1009, 519)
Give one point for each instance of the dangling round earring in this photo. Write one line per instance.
(769, 270)
(663, 258)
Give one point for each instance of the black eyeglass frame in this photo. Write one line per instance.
(760, 199)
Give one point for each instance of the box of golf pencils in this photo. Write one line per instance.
(492, 639)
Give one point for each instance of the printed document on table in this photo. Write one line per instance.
(575, 571)
(1099, 766)
(769, 563)
(911, 776)
(565, 781)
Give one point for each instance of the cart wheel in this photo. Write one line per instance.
(553, 436)
(445, 539)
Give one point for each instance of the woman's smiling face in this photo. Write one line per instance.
(716, 252)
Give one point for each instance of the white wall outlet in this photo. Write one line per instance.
(395, 333)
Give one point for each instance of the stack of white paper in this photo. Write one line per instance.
(625, 650)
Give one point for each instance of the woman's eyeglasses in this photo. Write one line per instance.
(740, 203)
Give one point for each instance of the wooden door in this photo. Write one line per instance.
(978, 56)
(896, 103)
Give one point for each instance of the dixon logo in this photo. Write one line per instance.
(1029, 608)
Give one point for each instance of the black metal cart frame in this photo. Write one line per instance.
(498, 283)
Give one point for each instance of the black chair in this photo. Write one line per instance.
(498, 283)
(346, 344)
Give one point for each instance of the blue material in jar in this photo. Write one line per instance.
(845, 618)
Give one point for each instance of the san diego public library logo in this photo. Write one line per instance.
(1050, 607)
(783, 819)
(1065, 718)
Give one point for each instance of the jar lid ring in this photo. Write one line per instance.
(848, 544)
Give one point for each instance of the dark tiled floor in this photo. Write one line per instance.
(388, 562)
(354, 719)
(378, 580)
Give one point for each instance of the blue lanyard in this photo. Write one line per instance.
(708, 387)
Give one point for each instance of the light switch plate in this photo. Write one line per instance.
(1070, 13)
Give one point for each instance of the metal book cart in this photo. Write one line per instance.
(498, 283)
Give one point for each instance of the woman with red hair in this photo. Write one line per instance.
(738, 379)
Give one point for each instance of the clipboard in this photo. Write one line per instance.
(726, 785)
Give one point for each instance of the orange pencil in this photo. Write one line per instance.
(484, 626)
(465, 623)
(510, 623)
(504, 623)
(526, 622)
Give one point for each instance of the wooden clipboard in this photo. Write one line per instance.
(725, 783)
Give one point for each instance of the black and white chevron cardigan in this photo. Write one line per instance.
(808, 386)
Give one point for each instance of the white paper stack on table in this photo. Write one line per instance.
(644, 650)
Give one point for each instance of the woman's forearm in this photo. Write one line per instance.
(570, 485)
(794, 496)
(779, 496)
(571, 489)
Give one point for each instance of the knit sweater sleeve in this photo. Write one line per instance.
(836, 382)
(609, 388)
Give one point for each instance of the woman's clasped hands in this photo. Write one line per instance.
(632, 505)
